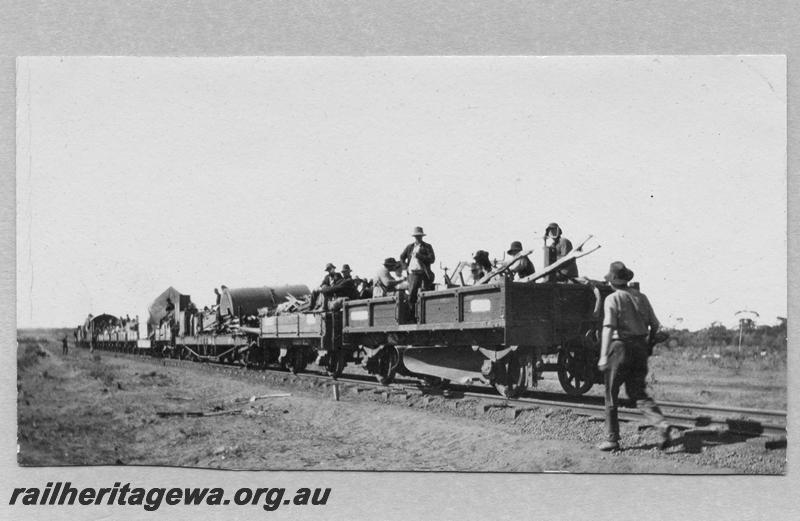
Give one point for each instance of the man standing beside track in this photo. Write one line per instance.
(629, 329)
(418, 257)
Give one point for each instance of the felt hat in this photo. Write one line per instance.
(418, 232)
(346, 267)
(515, 248)
(329, 266)
(391, 263)
(618, 273)
(481, 254)
(553, 226)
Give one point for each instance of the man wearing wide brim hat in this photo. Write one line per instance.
(332, 277)
(618, 274)
(521, 268)
(418, 257)
(343, 288)
(629, 328)
(390, 263)
(481, 258)
(388, 278)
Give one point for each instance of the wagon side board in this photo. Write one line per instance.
(319, 330)
(542, 315)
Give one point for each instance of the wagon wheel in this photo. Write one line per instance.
(297, 361)
(387, 361)
(509, 377)
(575, 372)
(336, 364)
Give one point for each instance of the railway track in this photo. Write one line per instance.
(684, 416)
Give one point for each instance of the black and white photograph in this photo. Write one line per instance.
(522, 264)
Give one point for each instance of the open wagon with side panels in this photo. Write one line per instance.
(494, 333)
(295, 339)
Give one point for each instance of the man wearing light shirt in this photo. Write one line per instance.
(388, 280)
(629, 331)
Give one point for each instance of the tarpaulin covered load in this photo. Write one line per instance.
(247, 301)
(157, 309)
(100, 322)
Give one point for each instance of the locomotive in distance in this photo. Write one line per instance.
(496, 331)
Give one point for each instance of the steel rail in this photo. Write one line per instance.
(743, 425)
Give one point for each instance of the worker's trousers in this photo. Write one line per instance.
(627, 364)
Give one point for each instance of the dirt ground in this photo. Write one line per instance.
(749, 383)
(97, 409)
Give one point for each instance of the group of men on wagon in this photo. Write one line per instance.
(418, 257)
(630, 327)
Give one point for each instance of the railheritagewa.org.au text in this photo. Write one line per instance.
(65, 494)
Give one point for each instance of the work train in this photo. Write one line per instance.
(504, 333)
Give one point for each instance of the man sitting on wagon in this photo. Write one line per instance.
(363, 287)
(344, 287)
(331, 278)
(389, 278)
(523, 267)
(477, 272)
(557, 247)
(481, 258)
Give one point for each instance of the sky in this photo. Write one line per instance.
(135, 174)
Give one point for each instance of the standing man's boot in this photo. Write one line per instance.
(656, 418)
(612, 430)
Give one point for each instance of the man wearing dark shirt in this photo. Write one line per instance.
(331, 278)
(418, 257)
(523, 267)
(168, 311)
(557, 247)
(343, 288)
(481, 258)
